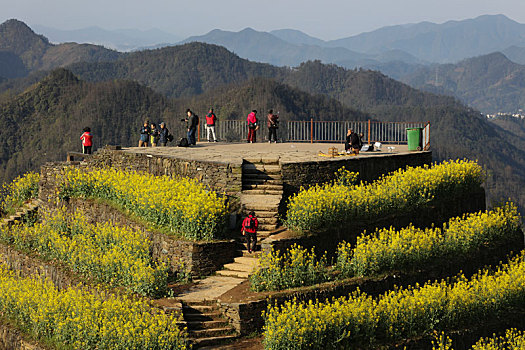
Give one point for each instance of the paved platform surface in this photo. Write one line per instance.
(210, 288)
(286, 152)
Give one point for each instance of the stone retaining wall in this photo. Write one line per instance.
(198, 258)
(33, 265)
(306, 174)
(13, 339)
(219, 176)
(435, 213)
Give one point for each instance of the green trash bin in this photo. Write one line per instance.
(414, 138)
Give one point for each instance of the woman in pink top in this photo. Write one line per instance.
(252, 126)
(87, 141)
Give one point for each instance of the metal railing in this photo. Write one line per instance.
(320, 131)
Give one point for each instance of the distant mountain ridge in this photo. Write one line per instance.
(23, 46)
(119, 39)
(491, 83)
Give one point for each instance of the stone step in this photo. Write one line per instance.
(260, 160)
(263, 192)
(247, 177)
(267, 221)
(213, 340)
(261, 169)
(263, 186)
(263, 214)
(246, 260)
(210, 332)
(239, 267)
(261, 181)
(263, 228)
(200, 302)
(198, 316)
(195, 325)
(245, 253)
(261, 207)
(200, 308)
(231, 273)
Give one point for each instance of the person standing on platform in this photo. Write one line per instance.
(154, 135)
(355, 142)
(252, 126)
(249, 229)
(211, 118)
(273, 125)
(144, 134)
(163, 134)
(193, 122)
(87, 141)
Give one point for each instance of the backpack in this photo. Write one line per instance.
(183, 142)
(251, 223)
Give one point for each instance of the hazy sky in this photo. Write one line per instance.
(326, 19)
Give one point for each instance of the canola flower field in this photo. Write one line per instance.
(79, 319)
(513, 339)
(293, 268)
(337, 204)
(21, 189)
(184, 206)
(397, 314)
(389, 249)
(107, 253)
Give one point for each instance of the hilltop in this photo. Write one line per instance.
(44, 122)
(28, 51)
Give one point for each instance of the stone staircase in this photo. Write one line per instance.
(242, 265)
(262, 191)
(28, 210)
(206, 325)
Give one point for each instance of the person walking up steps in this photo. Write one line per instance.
(252, 126)
(249, 229)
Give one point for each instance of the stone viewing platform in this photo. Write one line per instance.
(285, 152)
(258, 176)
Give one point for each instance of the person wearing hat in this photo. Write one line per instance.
(163, 134)
(249, 229)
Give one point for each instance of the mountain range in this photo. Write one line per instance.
(119, 39)
(112, 96)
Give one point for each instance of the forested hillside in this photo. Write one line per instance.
(184, 70)
(490, 83)
(45, 122)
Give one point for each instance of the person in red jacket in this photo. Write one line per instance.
(249, 229)
(87, 141)
(252, 126)
(211, 118)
